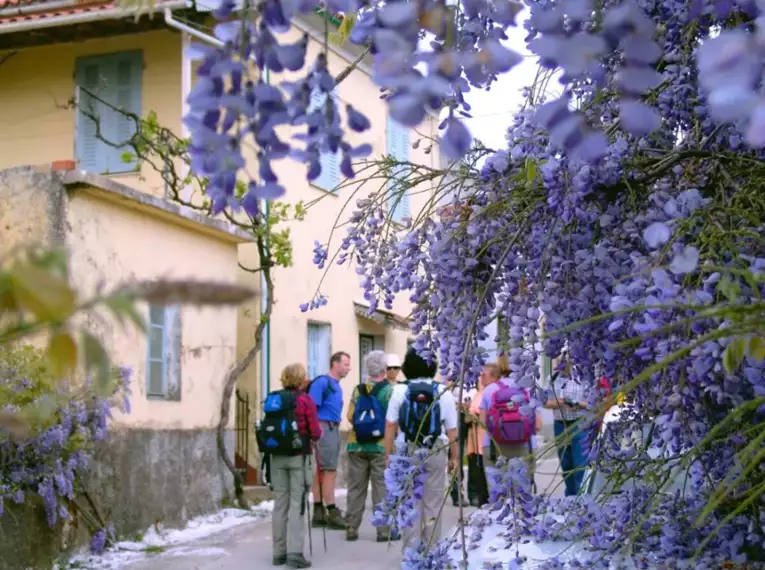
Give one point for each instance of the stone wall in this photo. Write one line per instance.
(144, 476)
(138, 477)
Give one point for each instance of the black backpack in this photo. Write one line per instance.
(278, 432)
(420, 414)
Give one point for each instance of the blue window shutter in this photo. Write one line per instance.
(325, 344)
(397, 142)
(128, 73)
(330, 162)
(90, 151)
(117, 79)
(156, 365)
(313, 351)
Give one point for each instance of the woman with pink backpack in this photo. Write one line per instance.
(510, 423)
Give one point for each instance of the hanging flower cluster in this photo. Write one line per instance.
(405, 480)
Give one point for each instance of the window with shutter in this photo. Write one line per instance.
(318, 349)
(397, 143)
(330, 162)
(156, 377)
(115, 80)
(163, 366)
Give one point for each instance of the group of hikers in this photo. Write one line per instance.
(299, 439)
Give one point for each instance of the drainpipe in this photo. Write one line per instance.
(173, 23)
(265, 360)
(81, 18)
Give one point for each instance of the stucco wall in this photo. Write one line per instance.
(38, 84)
(110, 243)
(29, 209)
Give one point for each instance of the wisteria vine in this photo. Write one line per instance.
(49, 466)
(625, 219)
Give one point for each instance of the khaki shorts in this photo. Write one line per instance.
(328, 448)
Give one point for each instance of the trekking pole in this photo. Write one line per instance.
(308, 518)
(321, 497)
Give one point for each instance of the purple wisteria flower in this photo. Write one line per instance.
(51, 463)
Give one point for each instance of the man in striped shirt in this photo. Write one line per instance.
(568, 397)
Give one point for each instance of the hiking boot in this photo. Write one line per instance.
(459, 502)
(351, 534)
(319, 517)
(334, 520)
(386, 536)
(297, 561)
(280, 560)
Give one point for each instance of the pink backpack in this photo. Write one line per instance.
(504, 421)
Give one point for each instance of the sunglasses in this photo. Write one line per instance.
(394, 368)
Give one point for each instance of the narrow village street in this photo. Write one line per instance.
(248, 546)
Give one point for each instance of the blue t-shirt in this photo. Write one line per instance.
(328, 395)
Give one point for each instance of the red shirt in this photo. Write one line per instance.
(307, 417)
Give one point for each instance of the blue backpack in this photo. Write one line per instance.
(369, 414)
(420, 414)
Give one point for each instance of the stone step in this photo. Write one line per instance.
(257, 494)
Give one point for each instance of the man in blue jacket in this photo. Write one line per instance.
(327, 392)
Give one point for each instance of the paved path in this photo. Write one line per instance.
(248, 546)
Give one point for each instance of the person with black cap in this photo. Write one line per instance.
(425, 412)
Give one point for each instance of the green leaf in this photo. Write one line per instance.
(62, 354)
(47, 296)
(756, 348)
(122, 308)
(729, 288)
(343, 32)
(531, 170)
(97, 364)
(734, 354)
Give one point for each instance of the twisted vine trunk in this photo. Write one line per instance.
(233, 375)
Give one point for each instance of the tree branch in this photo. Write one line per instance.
(348, 70)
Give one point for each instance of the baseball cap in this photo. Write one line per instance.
(392, 361)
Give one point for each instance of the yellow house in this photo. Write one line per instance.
(50, 48)
(161, 461)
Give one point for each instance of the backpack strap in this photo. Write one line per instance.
(378, 387)
(328, 388)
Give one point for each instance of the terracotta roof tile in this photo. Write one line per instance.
(46, 14)
(12, 3)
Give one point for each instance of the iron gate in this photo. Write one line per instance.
(242, 429)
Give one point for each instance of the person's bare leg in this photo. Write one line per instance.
(328, 487)
(317, 490)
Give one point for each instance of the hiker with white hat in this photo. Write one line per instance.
(393, 368)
